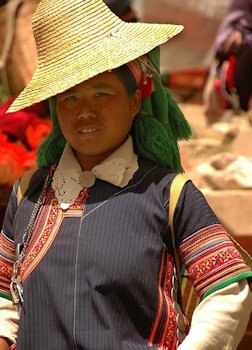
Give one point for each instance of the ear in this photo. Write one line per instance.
(136, 102)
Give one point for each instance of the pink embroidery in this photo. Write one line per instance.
(168, 338)
(210, 256)
(7, 255)
(46, 229)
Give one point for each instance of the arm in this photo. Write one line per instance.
(9, 316)
(9, 319)
(218, 273)
(220, 320)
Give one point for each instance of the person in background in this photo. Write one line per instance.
(230, 85)
(86, 258)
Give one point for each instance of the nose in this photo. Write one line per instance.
(86, 116)
(86, 109)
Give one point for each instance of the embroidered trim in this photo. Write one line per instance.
(164, 325)
(169, 337)
(210, 257)
(46, 229)
(7, 257)
(160, 304)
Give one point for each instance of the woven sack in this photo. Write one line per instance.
(17, 44)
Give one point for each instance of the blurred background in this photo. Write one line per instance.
(201, 18)
(219, 156)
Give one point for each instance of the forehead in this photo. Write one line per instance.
(106, 79)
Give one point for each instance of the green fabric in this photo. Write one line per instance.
(50, 150)
(152, 142)
(162, 106)
(160, 123)
(156, 130)
(227, 282)
(5, 296)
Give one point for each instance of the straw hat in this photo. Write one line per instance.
(79, 39)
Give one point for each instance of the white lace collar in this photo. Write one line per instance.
(69, 179)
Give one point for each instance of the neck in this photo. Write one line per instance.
(88, 163)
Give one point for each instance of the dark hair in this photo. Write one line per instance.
(126, 77)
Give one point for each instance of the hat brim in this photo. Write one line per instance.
(126, 43)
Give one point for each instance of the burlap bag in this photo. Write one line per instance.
(18, 58)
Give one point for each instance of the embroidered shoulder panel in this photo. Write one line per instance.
(210, 258)
(46, 229)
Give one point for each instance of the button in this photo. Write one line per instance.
(64, 206)
(177, 308)
(181, 322)
(175, 272)
(87, 179)
(174, 295)
(175, 283)
(181, 335)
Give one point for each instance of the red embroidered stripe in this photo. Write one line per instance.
(46, 229)
(160, 305)
(165, 320)
(210, 257)
(7, 255)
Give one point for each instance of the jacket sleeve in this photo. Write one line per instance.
(220, 320)
(9, 320)
(9, 315)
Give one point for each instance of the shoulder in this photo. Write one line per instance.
(31, 181)
(154, 178)
(153, 171)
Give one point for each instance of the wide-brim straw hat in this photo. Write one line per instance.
(78, 39)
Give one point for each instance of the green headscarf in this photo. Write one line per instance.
(160, 123)
(156, 130)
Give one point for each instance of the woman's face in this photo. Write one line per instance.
(96, 116)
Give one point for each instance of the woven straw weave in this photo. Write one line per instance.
(79, 39)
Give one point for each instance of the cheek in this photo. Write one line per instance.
(63, 117)
(66, 127)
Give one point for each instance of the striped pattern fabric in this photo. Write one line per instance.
(210, 258)
(104, 283)
(97, 286)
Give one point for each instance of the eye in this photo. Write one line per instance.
(70, 98)
(101, 94)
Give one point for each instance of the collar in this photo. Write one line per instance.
(69, 179)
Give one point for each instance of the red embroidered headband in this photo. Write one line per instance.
(142, 76)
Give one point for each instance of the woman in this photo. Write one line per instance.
(95, 267)
(229, 84)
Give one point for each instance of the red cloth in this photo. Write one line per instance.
(18, 124)
(20, 135)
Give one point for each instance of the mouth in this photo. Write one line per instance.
(88, 131)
